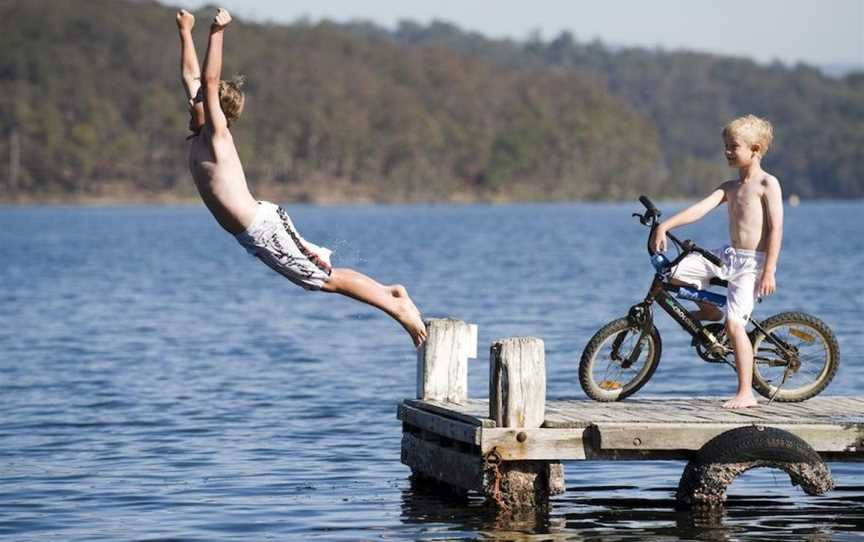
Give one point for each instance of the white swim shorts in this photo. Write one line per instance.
(274, 240)
(741, 269)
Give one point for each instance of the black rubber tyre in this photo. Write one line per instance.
(816, 348)
(603, 378)
(729, 454)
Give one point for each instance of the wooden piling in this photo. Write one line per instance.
(517, 400)
(442, 361)
(517, 382)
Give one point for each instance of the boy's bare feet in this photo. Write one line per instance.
(741, 401)
(408, 315)
(393, 299)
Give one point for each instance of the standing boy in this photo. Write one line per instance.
(264, 229)
(755, 208)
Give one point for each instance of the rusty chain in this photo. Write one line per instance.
(492, 467)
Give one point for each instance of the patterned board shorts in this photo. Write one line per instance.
(741, 268)
(273, 239)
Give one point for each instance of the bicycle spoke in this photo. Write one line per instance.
(613, 376)
(808, 347)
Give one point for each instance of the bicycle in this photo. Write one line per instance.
(795, 354)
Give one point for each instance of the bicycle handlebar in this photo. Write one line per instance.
(649, 205)
(690, 246)
(687, 246)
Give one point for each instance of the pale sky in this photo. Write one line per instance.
(820, 32)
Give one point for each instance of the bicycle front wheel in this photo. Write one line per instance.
(618, 360)
(802, 365)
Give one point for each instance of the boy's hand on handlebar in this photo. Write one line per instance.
(658, 239)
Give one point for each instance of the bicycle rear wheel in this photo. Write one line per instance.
(810, 353)
(618, 360)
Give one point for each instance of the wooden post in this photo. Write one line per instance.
(442, 361)
(517, 382)
(517, 398)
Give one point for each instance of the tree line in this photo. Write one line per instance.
(91, 105)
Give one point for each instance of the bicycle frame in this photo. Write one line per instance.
(662, 291)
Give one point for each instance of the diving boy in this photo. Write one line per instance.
(264, 229)
(755, 205)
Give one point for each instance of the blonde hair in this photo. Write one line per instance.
(755, 130)
(231, 98)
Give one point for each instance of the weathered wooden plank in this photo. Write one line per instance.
(578, 414)
(648, 440)
(447, 410)
(440, 425)
(561, 420)
(653, 437)
(702, 410)
(473, 407)
(443, 464)
(533, 444)
(853, 403)
(783, 410)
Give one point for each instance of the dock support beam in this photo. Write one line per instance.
(517, 399)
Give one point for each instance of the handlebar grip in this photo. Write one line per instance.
(712, 258)
(690, 246)
(648, 205)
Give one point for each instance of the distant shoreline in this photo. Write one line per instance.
(157, 200)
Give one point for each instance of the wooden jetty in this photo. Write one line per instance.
(509, 447)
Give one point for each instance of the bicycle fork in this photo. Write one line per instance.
(639, 316)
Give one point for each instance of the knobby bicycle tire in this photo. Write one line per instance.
(595, 390)
(792, 392)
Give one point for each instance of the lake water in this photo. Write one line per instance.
(157, 383)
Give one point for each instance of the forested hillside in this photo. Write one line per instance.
(91, 106)
(689, 97)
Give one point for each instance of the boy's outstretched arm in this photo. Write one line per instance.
(687, 216)
(773, 204)
(215, 118)
(190, 72)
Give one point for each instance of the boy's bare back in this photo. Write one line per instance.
(213, 159)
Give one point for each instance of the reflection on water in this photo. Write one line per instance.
(157, 383)
(614, 516)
